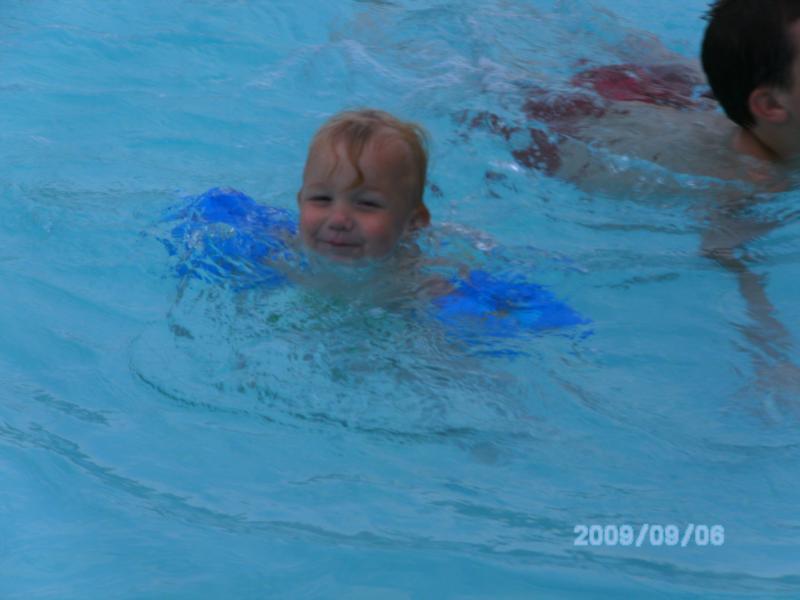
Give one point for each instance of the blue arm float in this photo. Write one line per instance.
(224, 232)
(503, 308)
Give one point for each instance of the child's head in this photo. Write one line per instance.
(363, 185)
(749, 56)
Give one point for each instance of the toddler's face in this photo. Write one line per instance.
(347, 222)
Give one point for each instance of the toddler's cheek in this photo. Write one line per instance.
(307, 227)
(384, 239)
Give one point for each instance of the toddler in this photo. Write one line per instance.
(361, 199)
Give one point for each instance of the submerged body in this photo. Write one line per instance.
(619, 114)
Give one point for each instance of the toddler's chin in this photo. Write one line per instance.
(354, 260)
(325, 253)
(340, 254)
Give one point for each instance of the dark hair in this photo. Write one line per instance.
(747, 44)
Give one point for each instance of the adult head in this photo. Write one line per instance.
(749, 55)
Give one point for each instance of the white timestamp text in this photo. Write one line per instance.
(649, 534)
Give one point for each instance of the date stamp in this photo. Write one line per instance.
(650, 534)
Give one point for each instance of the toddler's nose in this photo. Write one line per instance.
(340, 219)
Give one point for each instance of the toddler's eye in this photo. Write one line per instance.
(320, 199)
(369, 203)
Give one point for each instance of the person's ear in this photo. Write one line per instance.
(420, 218)
(768, 105)
(300, 191)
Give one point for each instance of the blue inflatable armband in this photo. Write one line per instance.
(502, 307)
(224, 233)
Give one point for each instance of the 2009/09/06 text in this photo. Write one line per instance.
(654, 535)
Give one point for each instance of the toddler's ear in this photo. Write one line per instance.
(769, 104)
(300, 191)
(421, 218)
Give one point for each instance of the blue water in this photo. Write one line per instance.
(168, 439)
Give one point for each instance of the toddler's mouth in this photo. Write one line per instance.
(339, 243)
(339, 248)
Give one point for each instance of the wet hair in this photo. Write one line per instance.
(357, 127)
(747, 44)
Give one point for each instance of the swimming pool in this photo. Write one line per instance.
(169, 441)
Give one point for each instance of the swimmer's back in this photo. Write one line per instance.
(697, 143)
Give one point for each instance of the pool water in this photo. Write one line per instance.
(168, 438)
